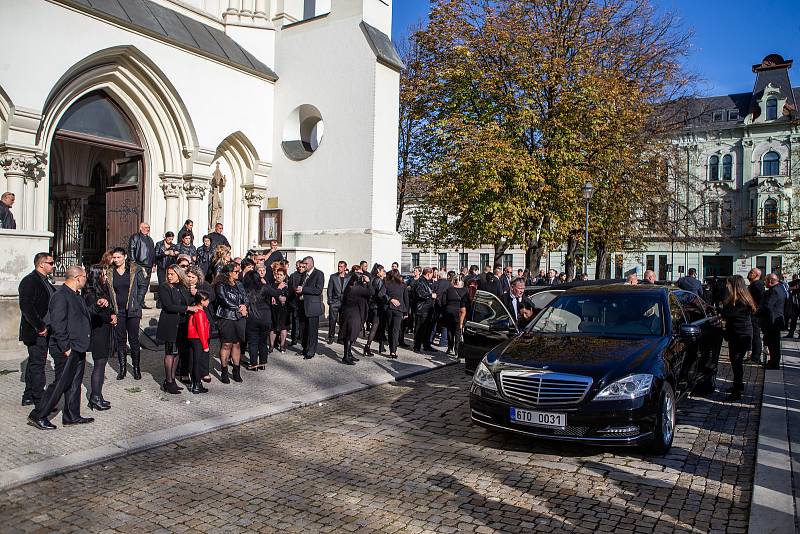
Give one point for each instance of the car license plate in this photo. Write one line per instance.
(546, 419)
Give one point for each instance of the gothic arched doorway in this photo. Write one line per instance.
(96, 180)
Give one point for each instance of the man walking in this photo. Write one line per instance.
(35, 291)
(336, 284)
(129, 283)
(70, 329)
(7, 221)
(309, 294)
(757, 288)
(772, 319)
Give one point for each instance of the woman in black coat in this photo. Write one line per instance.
(737, 310)
(353, 312)
(376, 317)
(450, 304)
(176, 304)
(397, 295)
(231, 320)
(280, 310)
(259, 316)
(103, 320)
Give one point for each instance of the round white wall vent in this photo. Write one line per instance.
(302, 132)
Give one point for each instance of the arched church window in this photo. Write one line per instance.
(770, 164)
(771, 213)
(713, 168)
(772, 109)
(95, 115)
(727, 167)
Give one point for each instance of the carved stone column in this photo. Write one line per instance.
(172, 192)
(22, 172)
(195, 191)
(254, 196)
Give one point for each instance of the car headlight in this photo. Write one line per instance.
(628, 388)
(483, 377)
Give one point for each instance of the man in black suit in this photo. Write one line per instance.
(771, 313)
(691, 284)
(757, 290)
(309, 294)
(425, 299)
(217, 238)
(336, 284)
(513, 299)
(490, 282)
(293, 303)
(70, 328)
(506, 279)
(35, 291)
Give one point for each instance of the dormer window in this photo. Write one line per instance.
(713, 168)
(733, 114)
(718, 116)
(771, 164)
(727, 167)
(772, 109)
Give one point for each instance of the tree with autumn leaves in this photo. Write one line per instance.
(516, 104)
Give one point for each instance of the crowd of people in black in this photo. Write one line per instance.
(255, 306)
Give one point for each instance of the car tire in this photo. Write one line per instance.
(664, 430)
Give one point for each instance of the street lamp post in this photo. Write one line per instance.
(588, 191)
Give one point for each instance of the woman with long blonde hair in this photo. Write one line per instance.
(738, 309)
(220, 258)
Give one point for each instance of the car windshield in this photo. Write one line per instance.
(602, 314)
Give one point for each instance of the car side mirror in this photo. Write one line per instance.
(502, 325)
(690, 331)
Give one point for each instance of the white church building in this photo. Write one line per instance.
(114, 112)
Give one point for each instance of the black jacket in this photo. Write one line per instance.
(757, 290)
(217, 239)
(70, 325)
(100, 317)
(378, 300)
(489, 282)
(204, 258)
(451, 300)
(738, 320)
(423, 294)
(175, 299)
(691, 284)
(189, 250)
(142, 250)
(400, 293)
(7, 221)
(506, 299)
(34, 296)
(139, 284)
(312, 293)
(259, 298)
(164, 260)
(183, 232)
(771, 309)
(229, 298)
(336, 285)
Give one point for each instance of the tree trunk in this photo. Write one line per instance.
(573, 241)
(601, 262)
(499, 249)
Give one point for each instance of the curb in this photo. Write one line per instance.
(772, 509)
(77, 460)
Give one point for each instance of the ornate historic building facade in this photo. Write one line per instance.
(732, 179)
(119, 111)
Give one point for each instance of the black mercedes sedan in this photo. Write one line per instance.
(602, 364)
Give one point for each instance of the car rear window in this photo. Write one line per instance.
(602, 314)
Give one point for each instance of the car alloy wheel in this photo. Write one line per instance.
(664, 430)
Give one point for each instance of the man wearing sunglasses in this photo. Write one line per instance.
(35, 291)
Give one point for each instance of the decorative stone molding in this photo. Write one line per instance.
(195, 189)
(28, 166)
(254, 197)
(171, 188)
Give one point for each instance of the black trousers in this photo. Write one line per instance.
(423, 328)
(161, 274)
(69, 377)
(309, 332)
(294, 315)
(199, 359)
(772, 339)
(757, 347)
(395, 329)
(792, 324)
(127, 331)
(257, 329)
(333, 318)
(35, 380)
(737, 350)
(184, 349)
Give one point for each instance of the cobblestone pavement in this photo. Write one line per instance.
(140, 406)
(404, 457)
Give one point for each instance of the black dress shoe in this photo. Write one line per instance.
(41, 424)
(95, 404)
(431, 349)
(308, 356)
(198, 388)
(78, 421)
(28, 402)
(348, 361)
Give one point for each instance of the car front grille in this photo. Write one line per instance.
(542, 388)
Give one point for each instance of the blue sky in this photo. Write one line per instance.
(730, 36)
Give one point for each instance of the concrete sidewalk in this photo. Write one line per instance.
(142, 416)
(776, 486)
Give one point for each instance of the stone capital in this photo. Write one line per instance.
(29, 166)
(195, 189)
(171, 188)
(254, 197)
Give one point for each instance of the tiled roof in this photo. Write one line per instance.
(157, 20)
